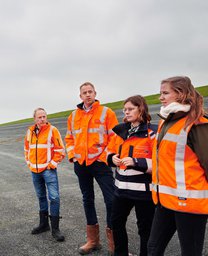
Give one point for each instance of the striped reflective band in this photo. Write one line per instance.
(182, 193)
(42, 146)
(181, 140)
(39, 165)
(128, 172)
(54, 163)
(131, 185)
(59, 150)
(69, 148)
(100, 150)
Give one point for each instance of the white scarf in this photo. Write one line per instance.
(173, 108)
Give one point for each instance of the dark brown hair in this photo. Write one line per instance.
(139, 101)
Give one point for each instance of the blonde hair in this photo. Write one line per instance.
(187, 94)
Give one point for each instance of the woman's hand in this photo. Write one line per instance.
(127, 161)
(116, 160)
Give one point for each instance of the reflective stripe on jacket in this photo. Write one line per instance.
(89, 133)
(179, 181)
(44, 150)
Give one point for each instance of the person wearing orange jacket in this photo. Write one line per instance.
(180, 169)
(44, 150)
(89, 132)
(132, 157)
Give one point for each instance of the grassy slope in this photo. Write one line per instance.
(152, 99)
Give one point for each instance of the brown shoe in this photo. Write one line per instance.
(110, 240)
(93, 240)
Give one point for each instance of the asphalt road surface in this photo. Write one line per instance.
(19, 206)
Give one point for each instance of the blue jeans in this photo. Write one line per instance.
(104, 177)
(190, 228)
(47, 179)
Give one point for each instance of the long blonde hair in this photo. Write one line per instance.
(187, 95)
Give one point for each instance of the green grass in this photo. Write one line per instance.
(203, 90)
(154, 99)
(151, 99)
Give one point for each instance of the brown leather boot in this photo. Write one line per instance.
(93, 240)
(110, 240)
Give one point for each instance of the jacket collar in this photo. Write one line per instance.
(34, 127)
(122, 130)
(94, 105)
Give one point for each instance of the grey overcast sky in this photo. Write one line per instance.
(124, 47)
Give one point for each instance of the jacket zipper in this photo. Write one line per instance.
(36, 153)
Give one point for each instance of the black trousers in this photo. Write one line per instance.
(190, 228)
(103, 174)
(120, 211)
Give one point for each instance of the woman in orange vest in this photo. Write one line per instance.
(180, 169)
(131, 155)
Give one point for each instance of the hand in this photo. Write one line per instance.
(74, 160)
(127, 161)
(116, 160)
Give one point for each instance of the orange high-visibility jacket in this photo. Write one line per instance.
(44, 150)
(89, 133)
(134, 181)
(179, 181)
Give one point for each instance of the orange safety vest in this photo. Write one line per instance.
(179, 181)
(89, 133)
(45, 150)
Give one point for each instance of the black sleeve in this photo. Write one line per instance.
(140, 164)
(110, 161)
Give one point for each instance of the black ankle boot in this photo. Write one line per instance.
(43, 226)
(56, 233)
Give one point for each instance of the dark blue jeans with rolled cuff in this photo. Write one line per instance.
(190, 228)
(47, 179)
(104, 177)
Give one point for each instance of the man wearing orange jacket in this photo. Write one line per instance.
(44, 149)
(88, 134)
